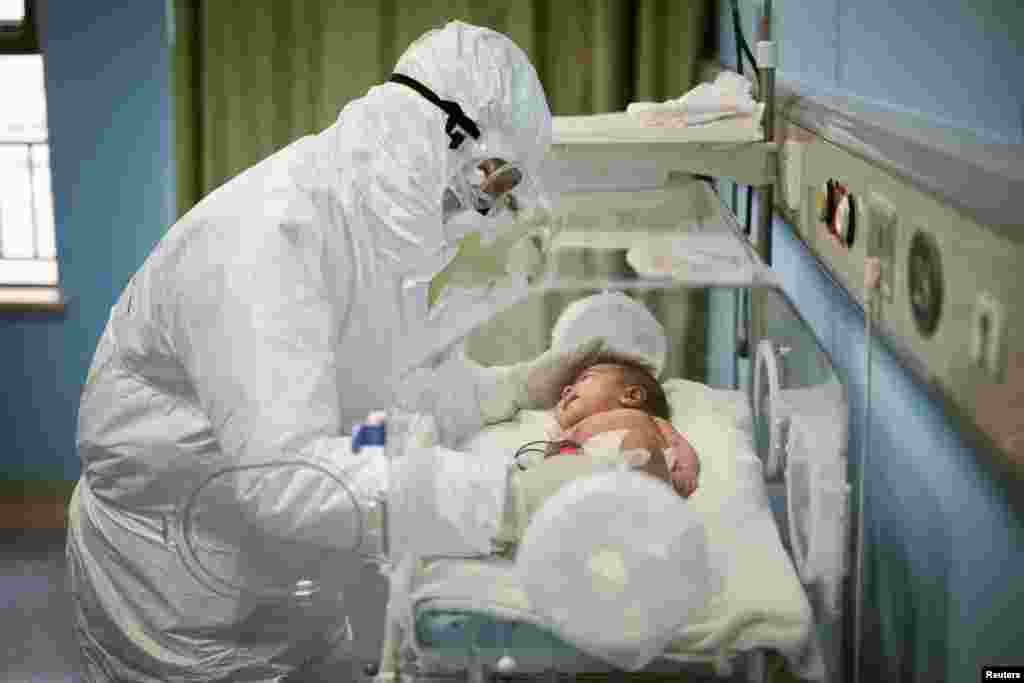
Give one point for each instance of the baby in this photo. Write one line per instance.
(609, 393)
(613, 392)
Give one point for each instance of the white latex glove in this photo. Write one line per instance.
(525, 257)
(536, 384)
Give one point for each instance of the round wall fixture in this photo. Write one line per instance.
(924, 283)
(846, 220)
(768, 414)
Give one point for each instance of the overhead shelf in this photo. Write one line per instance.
(729, 148)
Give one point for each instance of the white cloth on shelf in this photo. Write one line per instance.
(729, 95)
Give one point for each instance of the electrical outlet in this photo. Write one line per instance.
(882, 222)
(987, 323)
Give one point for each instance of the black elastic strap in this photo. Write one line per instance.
(456, 117)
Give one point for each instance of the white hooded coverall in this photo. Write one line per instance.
(265, 323)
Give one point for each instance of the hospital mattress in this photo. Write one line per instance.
(463, 605)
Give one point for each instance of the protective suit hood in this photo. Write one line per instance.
(396, 156)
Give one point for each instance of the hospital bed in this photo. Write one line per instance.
(776, 580)
(771, 500)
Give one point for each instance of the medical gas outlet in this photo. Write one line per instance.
(838, 212)
(987, 336)
(925, 283)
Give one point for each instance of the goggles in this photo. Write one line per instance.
(487, 186)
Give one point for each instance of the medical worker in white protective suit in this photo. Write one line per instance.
(266, 322)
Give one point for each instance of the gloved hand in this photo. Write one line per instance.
(536, 384)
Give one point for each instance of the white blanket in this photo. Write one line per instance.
(759, 603)
(728, 96)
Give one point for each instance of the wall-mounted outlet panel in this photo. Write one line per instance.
(936, 263)
(987, 330)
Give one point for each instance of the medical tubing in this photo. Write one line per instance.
(527, 448)
(872, 302)
(740, 40)
(456, 117)
(373, 434)
(740, 44)
(736, 39)
(749, 225)
(186, 515)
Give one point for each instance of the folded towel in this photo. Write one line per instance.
(729, 95)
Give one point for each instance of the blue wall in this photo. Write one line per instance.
(108, 100)
(943, 588)
(951, 62)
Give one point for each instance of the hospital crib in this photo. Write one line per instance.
(773, 491)
(772, 495)
(635, 216)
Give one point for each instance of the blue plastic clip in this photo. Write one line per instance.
(368, 435)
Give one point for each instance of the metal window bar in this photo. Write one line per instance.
(30, 147)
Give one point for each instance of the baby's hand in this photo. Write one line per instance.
(657, 466)
(683, 466)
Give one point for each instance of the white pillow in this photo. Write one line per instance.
(690, 401)
(625, 323)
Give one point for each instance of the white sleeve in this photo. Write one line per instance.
(257, 332)
(452, 391)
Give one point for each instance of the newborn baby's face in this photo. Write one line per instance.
(596, 390)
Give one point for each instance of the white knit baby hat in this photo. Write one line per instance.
(627, 326)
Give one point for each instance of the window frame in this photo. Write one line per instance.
(23, 39)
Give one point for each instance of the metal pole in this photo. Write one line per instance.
(766, 74)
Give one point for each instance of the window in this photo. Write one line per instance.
(12, 12)
(28, 254)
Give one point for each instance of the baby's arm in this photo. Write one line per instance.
(641, 433)
(672, 460)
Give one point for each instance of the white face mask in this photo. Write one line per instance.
(489, 194)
